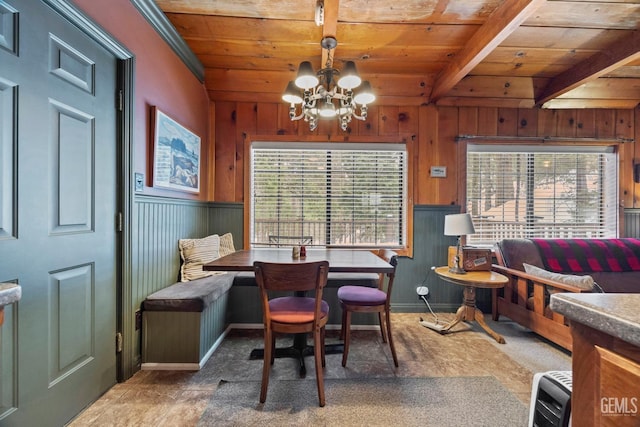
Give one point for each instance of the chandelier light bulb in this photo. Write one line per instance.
(328, 110)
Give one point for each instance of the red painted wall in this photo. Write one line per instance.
(161, 79)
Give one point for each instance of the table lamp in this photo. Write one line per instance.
(458, 225)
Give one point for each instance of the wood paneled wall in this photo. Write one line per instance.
(160, 221)
(434, 128)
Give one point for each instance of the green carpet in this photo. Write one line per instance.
(450, 401)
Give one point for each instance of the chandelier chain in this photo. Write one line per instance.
(329, 62)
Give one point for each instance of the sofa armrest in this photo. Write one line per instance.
(530, 293)
(535, 280)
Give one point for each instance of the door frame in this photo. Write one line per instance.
(124, 203)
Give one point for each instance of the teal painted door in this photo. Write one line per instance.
(57, 215)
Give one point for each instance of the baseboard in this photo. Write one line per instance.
(245, 326)
(170, 366)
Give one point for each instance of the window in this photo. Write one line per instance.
(541, 191)
(334, 195)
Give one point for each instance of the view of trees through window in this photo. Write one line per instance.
(328, 197)
(541, 192)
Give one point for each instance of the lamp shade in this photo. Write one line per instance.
(292, 94)
(458, 225)
(327, 110)
(350, 77)
(364, 95)
(306, 78)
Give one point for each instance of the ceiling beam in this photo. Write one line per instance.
(503, 21)
(330, 27)
(605, 61)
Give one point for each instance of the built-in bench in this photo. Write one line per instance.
(184, 323)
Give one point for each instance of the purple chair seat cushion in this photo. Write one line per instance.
(295, 309)
(361, 295)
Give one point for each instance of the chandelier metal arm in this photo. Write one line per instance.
(363, 112)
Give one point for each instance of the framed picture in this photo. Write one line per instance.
(176, 154)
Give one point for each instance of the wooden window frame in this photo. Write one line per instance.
(407, 249)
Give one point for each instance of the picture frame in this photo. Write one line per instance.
(176, 154)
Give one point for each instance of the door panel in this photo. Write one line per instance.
(57, 216)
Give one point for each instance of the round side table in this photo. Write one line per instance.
(468, 311)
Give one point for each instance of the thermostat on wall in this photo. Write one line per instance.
(438, 171)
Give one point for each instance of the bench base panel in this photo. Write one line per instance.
(183, 340)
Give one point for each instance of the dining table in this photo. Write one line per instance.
(340, 261)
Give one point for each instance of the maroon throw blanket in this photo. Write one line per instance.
(589, 255)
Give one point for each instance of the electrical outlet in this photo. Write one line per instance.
(422, 291)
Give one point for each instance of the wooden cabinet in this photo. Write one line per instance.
(606, 379)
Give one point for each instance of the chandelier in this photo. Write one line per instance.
(328, 94)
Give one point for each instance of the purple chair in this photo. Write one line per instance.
(362, 299)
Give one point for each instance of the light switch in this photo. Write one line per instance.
(139, 181)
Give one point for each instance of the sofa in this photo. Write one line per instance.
(537, 268)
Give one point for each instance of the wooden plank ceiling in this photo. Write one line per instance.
(507, 53)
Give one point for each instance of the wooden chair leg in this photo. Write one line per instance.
(393, 349)
(347, 336)
(322, 347)
(273, 347)
(266, 364)
(344, 321)
(382, 327)
(319, 355)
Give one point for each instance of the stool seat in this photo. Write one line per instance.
(361, 295)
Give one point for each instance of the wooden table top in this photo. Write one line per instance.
(477, 279)
(340, 260)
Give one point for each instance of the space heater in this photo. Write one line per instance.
(551, 399)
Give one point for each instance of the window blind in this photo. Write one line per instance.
(546, 192)
(345, 195)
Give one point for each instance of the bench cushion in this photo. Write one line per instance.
(196, 295)
(192, 296)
